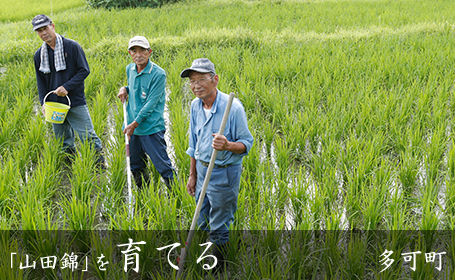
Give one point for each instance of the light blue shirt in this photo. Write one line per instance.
(202, 128)
(146, 97)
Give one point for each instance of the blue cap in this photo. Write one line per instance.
(40, 21)
(201, 65)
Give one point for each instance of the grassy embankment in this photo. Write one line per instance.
(12, 11)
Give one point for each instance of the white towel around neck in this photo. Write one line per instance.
(59, 58)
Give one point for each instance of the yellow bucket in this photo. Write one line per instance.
(56, 112)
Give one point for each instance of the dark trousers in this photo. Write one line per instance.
(155, 147)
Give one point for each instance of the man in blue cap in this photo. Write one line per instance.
(61, 66)
(207, 110)
(146, 95)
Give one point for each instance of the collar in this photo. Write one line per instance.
(213, 109)
(215, 103)
(147, 69)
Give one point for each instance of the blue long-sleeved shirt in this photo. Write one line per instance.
(146, 97)
(72, 79)
(202, 128)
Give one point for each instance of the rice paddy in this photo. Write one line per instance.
(15, 10)
(351, 104)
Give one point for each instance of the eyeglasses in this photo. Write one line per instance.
(201, 82)
(138, 50)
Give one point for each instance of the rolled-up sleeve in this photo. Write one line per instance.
(240, 128)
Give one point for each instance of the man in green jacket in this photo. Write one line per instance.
(146, 95)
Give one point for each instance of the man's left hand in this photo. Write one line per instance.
(61, 91)
(220, 142)
(129, 129)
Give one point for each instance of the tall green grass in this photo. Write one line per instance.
(14, 10)
(350, 103)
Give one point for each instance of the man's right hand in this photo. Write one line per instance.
(123, 94)
(191, 185)
(43, 110)
(129, 129)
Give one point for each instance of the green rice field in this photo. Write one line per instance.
(23, 9)
(351, 104)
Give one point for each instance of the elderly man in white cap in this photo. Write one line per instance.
(146, 95)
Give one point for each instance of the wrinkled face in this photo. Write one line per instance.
(140, 55)
(203, 85)
(47, 33)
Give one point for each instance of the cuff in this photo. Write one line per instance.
(190, 152)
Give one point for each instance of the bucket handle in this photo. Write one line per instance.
(53, 91)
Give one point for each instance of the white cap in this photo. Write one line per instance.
(139, 41)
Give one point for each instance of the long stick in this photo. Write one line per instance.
(128, 168)
(204, 189)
